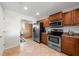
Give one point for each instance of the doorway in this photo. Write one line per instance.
(26, 30)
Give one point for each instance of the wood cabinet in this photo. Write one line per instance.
(58, 16)
(76, 16)
(45, 22)
(77, 47)
(70, 45)
(44, 38)
(51, 17)
(68, 20)
(71, 17)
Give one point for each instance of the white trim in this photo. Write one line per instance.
(12, 46)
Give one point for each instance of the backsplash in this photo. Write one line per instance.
(75, 29)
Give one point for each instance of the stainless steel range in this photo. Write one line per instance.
(54, 39)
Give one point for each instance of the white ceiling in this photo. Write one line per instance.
(44, 8)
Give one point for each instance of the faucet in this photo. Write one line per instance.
(70, 32)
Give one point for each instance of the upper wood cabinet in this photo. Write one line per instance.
(76, 16)
(71, 17)
(67, 18)
(58, 16)
(45, 22)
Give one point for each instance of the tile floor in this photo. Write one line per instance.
(31, 48)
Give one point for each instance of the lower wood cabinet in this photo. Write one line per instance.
(70, 45)
(44, 38)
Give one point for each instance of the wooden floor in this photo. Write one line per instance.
(31, 48)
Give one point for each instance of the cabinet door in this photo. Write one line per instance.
(77, 46)
(51, 17)
(68, 18)
(58, 16)
(68, 45)
(76, 16)
(44, 38)
(46, 23)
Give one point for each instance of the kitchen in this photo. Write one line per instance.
(61, 31)
(46, 31)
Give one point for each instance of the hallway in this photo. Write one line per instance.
(31, 48)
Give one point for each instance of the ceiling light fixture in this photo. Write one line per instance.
(25, 8)
(37, 13)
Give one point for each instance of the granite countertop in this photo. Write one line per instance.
(72, 36)
(44, 33)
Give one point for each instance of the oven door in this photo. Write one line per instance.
(55, 40)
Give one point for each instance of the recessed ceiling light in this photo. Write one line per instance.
(37, 13)
(25, 8)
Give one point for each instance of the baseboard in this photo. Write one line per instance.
(18, 45)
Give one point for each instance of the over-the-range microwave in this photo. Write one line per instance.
(56, 23)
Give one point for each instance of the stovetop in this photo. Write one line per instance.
(55, 32)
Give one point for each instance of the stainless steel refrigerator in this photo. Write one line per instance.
(37, 29)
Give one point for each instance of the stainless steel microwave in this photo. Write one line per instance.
(56, 23)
